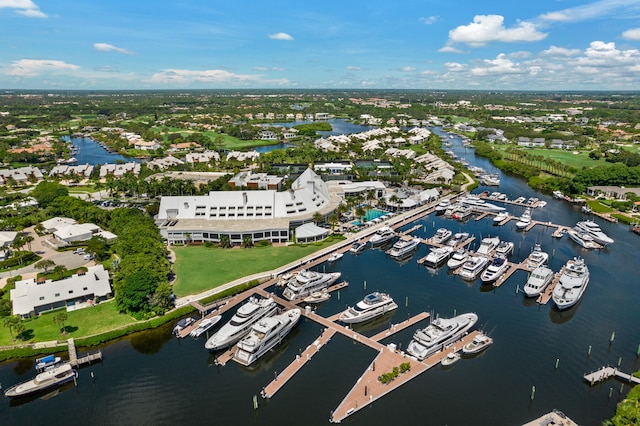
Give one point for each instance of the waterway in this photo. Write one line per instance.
(152, 378)
(90, 152)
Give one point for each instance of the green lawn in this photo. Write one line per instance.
(567, 157)
(199, 268)
(598, 207)
(84, 322)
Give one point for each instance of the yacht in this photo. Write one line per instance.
(497, 267)
(490, 180)
(51, 378)
(462, 213)
(524, 220)
(505, 248)
(357, 247)
(441, 236)
(204, 326)
(583, 239)
(47, 362)
(458, 237)
(404, 246)
(450, 359)
(538, 281)
(480, 205)
(473, 267)
(182, 324)
(458, 258)
(373, 305)
(519, 200)
(264, 335)
(240, 324)
(593, 229)
(537, 257)
(437, 256)
(335, 257)
(440, 332)
(487, 245)
(382, 235)
(318, 297)
(442, 206)
(478, 344)
(306, 282)
(559, 195)
(500, 217)
(573, 282)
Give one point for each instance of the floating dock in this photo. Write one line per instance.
(607, 372)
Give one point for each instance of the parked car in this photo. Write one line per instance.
(88, 257)
(79, 251)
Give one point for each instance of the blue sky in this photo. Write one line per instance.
(425, 44)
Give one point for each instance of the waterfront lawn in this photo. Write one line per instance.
(599, 207)
(578, 161)
(200, 268)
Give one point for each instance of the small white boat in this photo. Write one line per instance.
(458, 238)
(541, 204)
(478, 344)
(559, 195)
(358, 247)
(519, 200)
(524, 220)
(450, 359)
(317, 297)
(47, 362)
(458, 258)
(473, 267)
(205, 325)
(335, 257)
(437, 256)
(497, 267)
(182, 324)
(441, 236)
(505, 248)
(537, 257)
(538, 281)
(382, 235)
(500, 217)
(487, 245)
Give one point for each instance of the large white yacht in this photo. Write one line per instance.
(264, 335)
(497, 267)
(573, 282)
(373, 305)
(537, 257)
(441, 236)
(487, 245)
(593, 229)
(473, 267)
(458, 237)
(440, 332)
(583, 239)
(538, 281)
(404, 246)
(240, 323)
(458, 258)
(437, 256)
(442, 206)
(306, 282)
(480, 205)
(524, 220)
(497, 219)
(48, 379)
(505, 248)
(462, 212)
(382, 235)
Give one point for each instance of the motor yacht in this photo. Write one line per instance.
(47, 362)
(497, 219)
(519, 200)
(335, 257)
(264, 335)
(204, 326)
(538, 281)
(372, 306)
(451, 358)
(583, 239)
(306, 282)
(240, 324)
(524, 220)
(458, 258)
(505, 248)
(182, 324)
(318, 297)
(51, 378)
(480, 205)
(462, 213)
(487, 245)
(440, 332)
(537, 257)
(382, 235)
(458, 237)
(573, 282)
(473, 267)
(593, 229)
(479, 343)
(559, 195)
(358, 247)
(437, 256)
(442, 206)
(441, 236)
(490, 180)
(496, 268)
(403, 247)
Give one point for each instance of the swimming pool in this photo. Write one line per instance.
(374, 214)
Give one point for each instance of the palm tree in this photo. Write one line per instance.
(225, 241)
(247, 241)
(333, 220)
(317, 218)
(394, 200)
(10, 322)
(28, 239)
(59, 270)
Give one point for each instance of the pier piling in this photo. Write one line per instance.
(533, 392)
(613, 336)
(557, 362)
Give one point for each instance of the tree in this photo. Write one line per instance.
(5, 307)
(44, 264)
(19, 329)
(225, 241)
(47, 191)
(333, 220)
(60, 270)
(97, 246)
(317, 218)
(60, 320)
(11, 322)
(135, 292)
(28, 239)
(247, 241)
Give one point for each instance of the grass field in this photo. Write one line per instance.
(567, 157)
(200, 268)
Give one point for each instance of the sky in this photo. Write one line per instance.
(348, 44)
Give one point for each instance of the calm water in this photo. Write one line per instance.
(152, 378)
(90, 152)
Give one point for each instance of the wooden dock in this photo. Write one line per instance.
(544, 298)
(482, 216)
(505, 276)
(226, 356)
(76, 361)
(394, 328)
(506, 220)
(606, 372)
(222, 308)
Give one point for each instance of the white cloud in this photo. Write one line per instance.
(23, 7)
(407, 69)
(449, 49)
(633, 34)
(35, 67)
(556, 51)
(490, 28)
(280, 36)
(185, 78)
(353, 68)
(455, 66)
(268, 69)
(521, 54)
(594, 10)
(429, 20)
(495, 67)
(106, 47)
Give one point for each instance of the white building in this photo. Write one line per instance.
(51, 225)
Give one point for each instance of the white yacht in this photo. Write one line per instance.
(458, 258)
(240, 323)
(306, 282)
(500, 217)
(593, 229)
(505, 248)
(462, 212)
(318, 297)
(441, 236)
(490, 180)
(537, 257)
(478, 344)
(487, 245)
(382, 235)
(358, 247)
(403, 247)
(524, 220)
(559, 195)
(458, 237)
(205, 325)
(440, 332)
(573, 282)
(53, 377)
(497, 267)
(451, 358)
(520, 200)
(437, 256)
(442, 206)
(583, 239)
(473, 267)
(264, 335)
(538, 281)
(373, 305)
(335, 257)
(480, 205)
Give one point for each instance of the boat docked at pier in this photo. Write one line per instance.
(559, 195)
(335, 257)
(538, 281)
(47, 362)
(480, 205)
(51, 378)
(451, 358)
(442, 206)
(496, 268)
(204, 326)
(441, 236)
(505, 248)
(306, 282)
(373, 305)
(537, 257)
(490, 180)
(182, 324)
(487, 245)
(458, 258)
(572, 285)
(458, 237)
(358, 247)
(583, 239)
(593, 229)
(437, 256)
(240, 323)
(264, 335)
(473, 267)
(382, 235)
(462, 212)
(497, 219)
(479, 343)
(405, 246)
(440, 332)
(318, 297)
(524, 220)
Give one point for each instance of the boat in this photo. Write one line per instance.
(442, 206)
(372, 306)
(382, 235)
(182, 324)
(487, 245)
(505, 248)
(519, 200)
(490, 180)
(593, 229)
(473, 267)
(586, 209)
(480, 205)
(559, 195)
(450, 359)
(573, 282)
(462, 212)
(500, 217)
(441, 236)
(524, 220)
(335, 257)
(497, 267)
(537, 257)
(53, 377)
(204, 326)
(452, 209)
(306, 282)
(318, 297)
(440, 332)
(541, 204)
(240, 323)
(458, 258)
(458, 237)
(538, 281)
(479, 343)
(404, 246)
(264, 335)
(47, 362)
(583, 239)
(437, 256)
(358, 247)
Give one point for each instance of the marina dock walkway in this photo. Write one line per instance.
(394, 328)
(544, 298)
(606, 372)
(76, 361)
